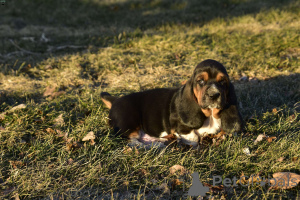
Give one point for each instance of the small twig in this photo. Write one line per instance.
(21, 49)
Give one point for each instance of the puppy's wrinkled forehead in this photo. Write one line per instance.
(210, 67)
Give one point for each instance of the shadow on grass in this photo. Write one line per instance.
(131, 14)
(255, 97)
(106, 20)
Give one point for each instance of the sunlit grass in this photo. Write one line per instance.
(128, 46)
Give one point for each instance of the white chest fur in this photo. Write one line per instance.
(210, 126)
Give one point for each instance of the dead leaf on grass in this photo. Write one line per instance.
(57, 94)
(73, 146)
(259, 138)
(270, 139)
(176, 168)
(212, 139)
(70, 161)
(50, 131)
(18, 107)
(175, 183)
(50, 92)
(280, 159)
(89, 136)
(284, 180)
(292, 118)
(295, 159)
(16, 164)
(213, 188)
(242, 179)
(246, 151)
(59, 121)
(274, 110)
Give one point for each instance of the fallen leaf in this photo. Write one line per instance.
(176, 168)
(255, 179)
(292, 118)
(274, 110)
(175, 183)
(49, 91)
(59, 121)
(73, 146)
(213, 188)
(89, 136)
(92, 142)
(259, 138)
(220, 135)
(18, 107)
(57, 94)
(63, 135)
(242, 179)
(280, 159)
(70, 161)
(16, 164)
(246, 151)
(270, 139)
(50, 131)
(284, 180)
(294, 159)
(219, 138)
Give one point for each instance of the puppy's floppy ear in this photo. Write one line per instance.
(231, 119)
(188, 110)
(107, 99)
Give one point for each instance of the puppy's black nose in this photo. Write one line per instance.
(214, 95)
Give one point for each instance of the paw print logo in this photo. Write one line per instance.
(197, 187)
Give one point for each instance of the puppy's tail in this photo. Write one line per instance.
(107, 99)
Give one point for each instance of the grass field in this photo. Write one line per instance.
(56, 57)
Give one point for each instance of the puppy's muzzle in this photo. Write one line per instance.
(212, 97)
(213, 93)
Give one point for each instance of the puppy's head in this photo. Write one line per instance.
(210, 83)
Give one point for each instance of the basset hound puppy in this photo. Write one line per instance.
(205, 104)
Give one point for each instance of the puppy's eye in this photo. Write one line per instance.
(201, 82)
(222, 82)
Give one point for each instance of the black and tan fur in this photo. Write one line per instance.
(178, 110)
